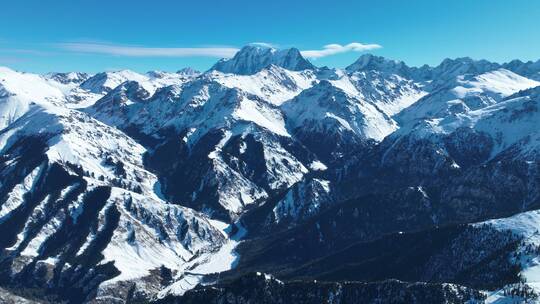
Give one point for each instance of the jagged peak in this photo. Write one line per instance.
(157, 74)
(327, 106)
(128, 90)
(68, 77)
(517, 62)
(464, 61)
(204, 88)
(530, 69)
(253, 58)
(170, 92)
(188, 71)
(465, 65)
(370, 62)
(367, 59)
(104, 82)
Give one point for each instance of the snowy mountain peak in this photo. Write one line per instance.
(188, 72)
(532, 93)
(106, 81)
(68, 78)
(450, 68)
(157, 74)
(530, 69)
(292, 59)
(19, 91)
(327, 108)
(183, 73)
(113, 107)
(512, 120)
(130, 89)
(463, 94)
(369, 62)
(253, 58)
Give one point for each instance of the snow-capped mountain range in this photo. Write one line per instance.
(126, 186)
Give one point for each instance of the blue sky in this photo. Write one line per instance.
(61, 35)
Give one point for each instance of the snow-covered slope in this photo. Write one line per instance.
(391, 93)
(449, 69)
(19, 91)
(512, 120)
(274, 84)
(201, 105)
(326, 108)
(370, 62)
(526, 256)
(70, 78)
(302, 201)
(210, 118)
(466, 93)
(104, 82)
(121, 210)
(210, 105)
(116, 107)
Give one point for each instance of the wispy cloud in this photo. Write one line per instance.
(265, 44)
(10, 60)
(211, 51)
(24, 52)
(333, 49)
(140, 51)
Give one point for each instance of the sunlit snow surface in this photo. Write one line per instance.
(19, 91)
(135, 258)
(75, 137)
(526, 225)
(274, 84)
(464, 94)
(511, 120)
(208, 263)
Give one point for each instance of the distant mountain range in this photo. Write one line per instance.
(267, 179)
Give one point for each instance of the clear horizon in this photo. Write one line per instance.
(65, 36)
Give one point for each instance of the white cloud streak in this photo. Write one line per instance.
(218, 52)
(139, 51)
(264, 44)
(10, 60)
(333, 49)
